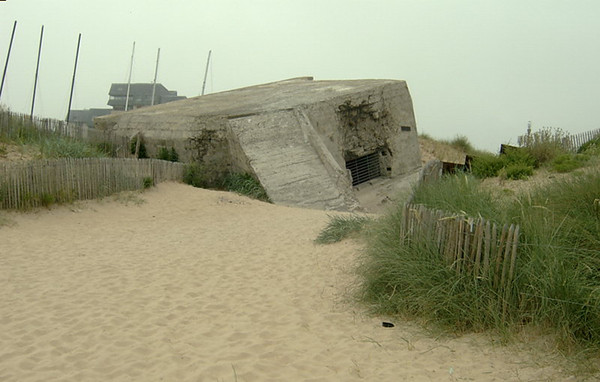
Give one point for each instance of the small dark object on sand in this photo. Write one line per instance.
(387, 324)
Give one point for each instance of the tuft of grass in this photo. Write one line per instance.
(517, 171)
(341, 227)
(464, 196)
(425, 136)
(64, 147)
(201, 176)
(245, 184)
(591, 147)
(569, 162)
(461, 142)
(148, 182)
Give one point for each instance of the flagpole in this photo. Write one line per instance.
(129, 80)
(37, 70)
(73, 81)
(155, 75)
(12, 36)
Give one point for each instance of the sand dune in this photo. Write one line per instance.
(196, 285)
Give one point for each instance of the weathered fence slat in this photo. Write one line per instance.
(472, 247)
(570, 142)
(36, 183)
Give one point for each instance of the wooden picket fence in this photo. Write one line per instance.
(569, 142)
(15, 124)
(575, 141)
(11, 121)
(472, 247)
(42, 182)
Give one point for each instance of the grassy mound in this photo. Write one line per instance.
(557, 282)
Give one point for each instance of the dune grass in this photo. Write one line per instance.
(245, 184)
(50, 145)
(550, 148)
(557, 282)
(201, 176)
(341, 227)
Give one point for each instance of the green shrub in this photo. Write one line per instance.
(245, 184)
(166, 154)
(173, 157)
(107, 148)
(142, 149)
(194, 175)
(47, 199)
(520, 156)
(569, 162)
(341, 227)
(163, 153)
(514, 163)
(148, 182)
(517, 171)
(487, 165)
(546, 144)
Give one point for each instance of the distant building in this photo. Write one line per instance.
(140, 95)
(86, 116)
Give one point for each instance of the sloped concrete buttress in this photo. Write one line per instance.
(285, 154)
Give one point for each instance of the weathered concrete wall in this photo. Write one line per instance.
(379, 120)
(158, 129)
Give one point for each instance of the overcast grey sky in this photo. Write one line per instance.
(478, 68)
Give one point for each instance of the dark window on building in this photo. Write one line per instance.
(405, 128)
(364, 168)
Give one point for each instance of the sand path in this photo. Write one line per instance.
(197, 285)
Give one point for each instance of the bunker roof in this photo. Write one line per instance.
(256, 99)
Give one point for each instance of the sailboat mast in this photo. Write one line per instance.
(129, 80)
(37, 70)
(155, 75)
(206, 72)
(12, 36)
(73, 81)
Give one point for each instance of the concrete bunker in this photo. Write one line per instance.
(309, 143)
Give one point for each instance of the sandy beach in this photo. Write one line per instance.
(198, 285)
